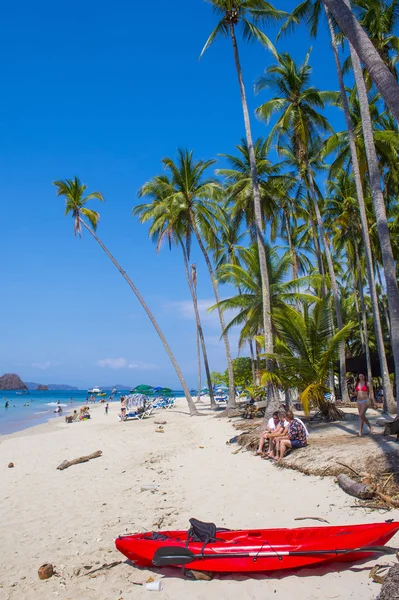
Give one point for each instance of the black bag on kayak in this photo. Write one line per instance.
(201, 532)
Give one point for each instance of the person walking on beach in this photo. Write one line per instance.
(106, 408)
(123, 408)
(363, 394)
(71, 401)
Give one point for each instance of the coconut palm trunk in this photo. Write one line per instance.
(191, 405)
(384, 304)
(232, 395)
(253, 366)
(388, 396)
(334, 285)
(273, 400)
(290, 245)
(358, 38)
(364, 320)
(381, 217)
(200, 333)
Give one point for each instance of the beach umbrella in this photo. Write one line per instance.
(165, 391)
(143, 389)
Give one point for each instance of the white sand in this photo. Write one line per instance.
(70, 518)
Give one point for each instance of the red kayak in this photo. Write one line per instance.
(258, 549)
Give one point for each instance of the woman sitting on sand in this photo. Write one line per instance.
(363, 393)
(297, 437)
(276, 426)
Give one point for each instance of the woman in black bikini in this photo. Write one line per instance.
(363, 400)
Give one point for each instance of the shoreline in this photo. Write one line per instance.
(70, 518)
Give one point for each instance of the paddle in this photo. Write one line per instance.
(175, 555)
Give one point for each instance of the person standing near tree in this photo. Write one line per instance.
(363, 395)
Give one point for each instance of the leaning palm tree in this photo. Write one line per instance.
(380, 73)
(306, 352)
(195, 199)
(74, 193)
(298, 104)
(248, 14)
(169, 224)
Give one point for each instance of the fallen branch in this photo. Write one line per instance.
(105, 566)
(387, 481)
(353, 470)
(312, 518)
(391, 501)
(76, 461)
(371, 506)
(359, 490)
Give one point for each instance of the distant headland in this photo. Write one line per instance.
(12, 381)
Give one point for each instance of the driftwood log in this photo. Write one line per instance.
(359, 490)
(76, 461)
(390, 587)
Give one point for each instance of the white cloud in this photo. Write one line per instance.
(123, 363)
(43, 366)
(186, 310)
(112, 363)
(139, 366)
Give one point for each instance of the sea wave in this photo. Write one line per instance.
(55, 404)
(41, 412)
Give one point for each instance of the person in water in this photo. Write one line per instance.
(7, 403)
(363, 393)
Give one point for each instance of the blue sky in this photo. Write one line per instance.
(104, 91)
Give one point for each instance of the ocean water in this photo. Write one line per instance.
(35, 407)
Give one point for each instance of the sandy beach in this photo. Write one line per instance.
(70, 518)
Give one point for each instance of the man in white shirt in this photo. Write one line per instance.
(276, 427)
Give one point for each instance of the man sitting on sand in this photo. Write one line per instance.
(297, 437)
(276, 427)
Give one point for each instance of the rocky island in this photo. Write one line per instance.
(42, 388)
(11, 381)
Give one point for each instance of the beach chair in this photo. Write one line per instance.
(138, 416)
(221, 400)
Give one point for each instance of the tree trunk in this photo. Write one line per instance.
(358, 313)
(384, 304)
(200, 333)
(365, 328)
(191, 405)
(253, 367)
(232, 395)
(295, 269)
(379, 72)
(334, 286)
(272, 397)
(386, 384)
(381, 216)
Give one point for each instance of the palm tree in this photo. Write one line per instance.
(310, 11)
(342, 213)
(194, 280)
(298, 104)
(169, 224)
(193, 198)
(306, 352)
(380, 20)
(380, 212)
(74, 193)
(358, 38)
(248, 14)
(239, 192)
(245, 276)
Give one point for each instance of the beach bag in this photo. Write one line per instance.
(201, 532)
